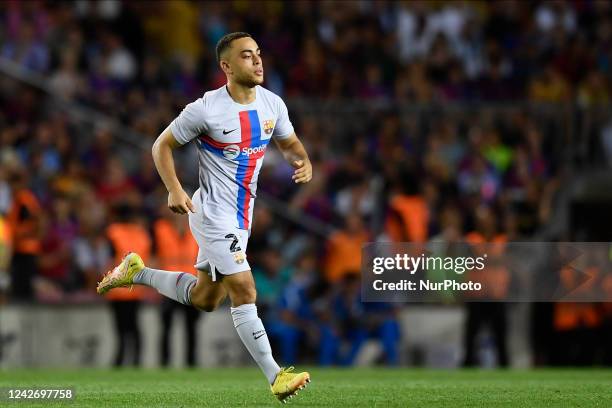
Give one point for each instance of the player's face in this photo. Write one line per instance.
(245, 63)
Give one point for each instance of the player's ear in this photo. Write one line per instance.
(225, 67)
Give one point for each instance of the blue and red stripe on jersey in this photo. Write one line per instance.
(210, 144)
(250, 137)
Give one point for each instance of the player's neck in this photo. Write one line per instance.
(241, 94)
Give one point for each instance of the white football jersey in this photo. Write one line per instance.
(232, 139)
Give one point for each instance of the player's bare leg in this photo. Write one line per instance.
(207, 294)
(241, 289)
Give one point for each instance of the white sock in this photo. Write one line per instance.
(253, 335)
(175, 285)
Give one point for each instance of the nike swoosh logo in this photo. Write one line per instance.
(225, 132)
(261, 335)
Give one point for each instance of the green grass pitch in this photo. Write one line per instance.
(245, 387)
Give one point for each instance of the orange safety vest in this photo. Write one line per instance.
(478, 238)
(494, 278)
(5, 243)
(413, 219)
(26, 239)
(5, 232)
(175, 252)
(343, 255)
(572, 315)
(124, 238)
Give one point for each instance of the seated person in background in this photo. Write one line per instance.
(270, 276)
(357, 321)
(295, 317)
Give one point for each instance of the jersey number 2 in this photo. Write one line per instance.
(234, 245)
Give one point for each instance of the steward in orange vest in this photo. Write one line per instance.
(343, 250)
(176, 250)
(127, 237)
(496, 279)
(573, 315)
(24, 219)
(408, 220)
(5, 257)
(128, 234)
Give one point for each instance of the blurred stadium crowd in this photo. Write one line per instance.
(423, 120)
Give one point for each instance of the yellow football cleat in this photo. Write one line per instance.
(122, 275)
(287, 384)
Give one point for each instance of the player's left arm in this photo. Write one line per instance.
(293, 151)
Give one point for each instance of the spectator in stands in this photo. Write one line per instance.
(355, 322)
(297, 317)
(60, 232)
(91, 251)
(270, 276)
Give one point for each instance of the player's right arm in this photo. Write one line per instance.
(187, 126)
(178, 200)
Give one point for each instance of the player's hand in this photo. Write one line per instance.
(179, 202)
(303, 171)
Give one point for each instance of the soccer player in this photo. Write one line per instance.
(232, 126)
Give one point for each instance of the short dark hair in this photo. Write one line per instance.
(226, 42)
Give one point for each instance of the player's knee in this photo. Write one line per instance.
(203, 301)
(204, 304)
(244, 295)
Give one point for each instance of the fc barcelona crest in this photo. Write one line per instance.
(268, 126)
(239, 257)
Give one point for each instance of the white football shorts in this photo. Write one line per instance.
(222, 248)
